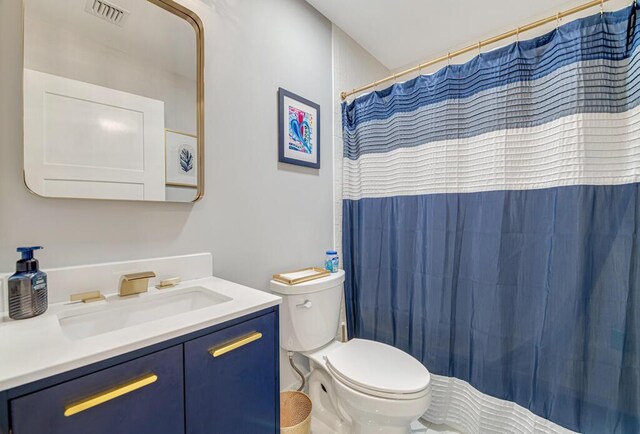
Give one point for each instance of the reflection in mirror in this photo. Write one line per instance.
(112, 93)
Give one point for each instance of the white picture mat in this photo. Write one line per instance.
(174, 141)
(296, 155)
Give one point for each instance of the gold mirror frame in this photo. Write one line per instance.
(192, 18)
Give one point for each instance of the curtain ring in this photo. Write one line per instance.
(601, 7)
(479, 47)
(448, 59)
(557, 20)
(419, 69)
(518, 35)
(395, 78)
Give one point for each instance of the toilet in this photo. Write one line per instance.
(356, 387)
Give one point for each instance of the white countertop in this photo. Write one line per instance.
(37, 348)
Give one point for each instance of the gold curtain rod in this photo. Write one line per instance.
(479, 45)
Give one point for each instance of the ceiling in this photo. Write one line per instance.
(150, 33)
(401, 33)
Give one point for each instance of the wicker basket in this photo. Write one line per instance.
(295, 413)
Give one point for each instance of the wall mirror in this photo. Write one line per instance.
(113, 100)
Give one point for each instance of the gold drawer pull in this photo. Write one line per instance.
(103, 397)
(235, 344)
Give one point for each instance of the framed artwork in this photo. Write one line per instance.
(181, 153)
(298, 130)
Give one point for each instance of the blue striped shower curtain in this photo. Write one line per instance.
(490, 222)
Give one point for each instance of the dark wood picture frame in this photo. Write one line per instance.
(283, 134)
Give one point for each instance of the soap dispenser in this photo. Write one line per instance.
(27, 287)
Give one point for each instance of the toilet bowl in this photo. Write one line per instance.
(372, 387)
(356, 387)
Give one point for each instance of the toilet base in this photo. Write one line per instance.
(324, 411)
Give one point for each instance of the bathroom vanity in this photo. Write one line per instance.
(201, 357)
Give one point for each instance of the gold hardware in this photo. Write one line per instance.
(194, 20)
(103, 397)
(134, 283)
(314, 273)
(168, 283)
(235, 344)
(479, 45)
(87, 297)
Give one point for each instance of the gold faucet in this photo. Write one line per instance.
(134, 283)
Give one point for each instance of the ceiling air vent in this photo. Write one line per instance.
(107, 11)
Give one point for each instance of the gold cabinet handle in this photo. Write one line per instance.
(234, 344)
(103, 397)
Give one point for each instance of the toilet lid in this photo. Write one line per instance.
(378, 367)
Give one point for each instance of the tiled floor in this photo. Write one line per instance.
(423, 427)
(419, 427)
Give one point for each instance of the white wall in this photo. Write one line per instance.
(353, 67)
(257, 217)
(87, 60)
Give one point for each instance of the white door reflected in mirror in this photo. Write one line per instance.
(111, 93)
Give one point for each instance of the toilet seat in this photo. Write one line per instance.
(378, 369)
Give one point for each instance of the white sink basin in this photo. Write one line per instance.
(118, 313)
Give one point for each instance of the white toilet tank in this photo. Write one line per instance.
(310, 312)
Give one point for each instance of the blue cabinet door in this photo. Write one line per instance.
(231, 380)
(145, 397)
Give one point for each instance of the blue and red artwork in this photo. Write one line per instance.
(300, 130)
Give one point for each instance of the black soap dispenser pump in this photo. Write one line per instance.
(27, 287)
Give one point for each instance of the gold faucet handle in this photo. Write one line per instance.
(86, 297)
(168, 283)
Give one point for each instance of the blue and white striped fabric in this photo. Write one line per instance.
(490, 222)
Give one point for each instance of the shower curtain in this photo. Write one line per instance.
(490, 228)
